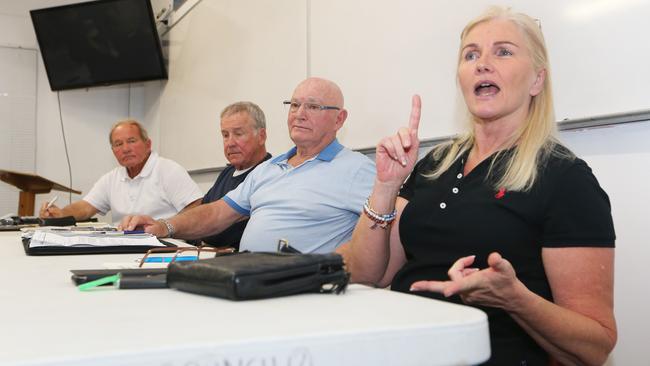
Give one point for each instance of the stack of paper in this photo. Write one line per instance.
(42, 238)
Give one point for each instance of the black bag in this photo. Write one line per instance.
(246, 275)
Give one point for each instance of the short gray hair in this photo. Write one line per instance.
(253, 110)
(143, 132)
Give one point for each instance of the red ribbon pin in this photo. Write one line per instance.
(500, 194)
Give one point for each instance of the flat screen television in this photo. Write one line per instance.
(99, 43)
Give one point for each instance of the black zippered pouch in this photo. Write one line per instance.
(259, 275)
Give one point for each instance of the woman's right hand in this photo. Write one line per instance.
(396, 155)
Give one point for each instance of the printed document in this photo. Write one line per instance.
(90, 239)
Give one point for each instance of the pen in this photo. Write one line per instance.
(49, 204)
(119, 233)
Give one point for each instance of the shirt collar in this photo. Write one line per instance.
(146, 170)
(327, 154)
(240, 172)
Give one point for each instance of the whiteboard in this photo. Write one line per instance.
(381, 52)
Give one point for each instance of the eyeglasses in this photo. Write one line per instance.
(309, 107)
(180, 254)
(130, 141)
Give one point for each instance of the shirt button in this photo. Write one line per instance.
(443, 205)
(460, 175)
(455, 190)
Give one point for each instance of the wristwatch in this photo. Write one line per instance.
(169, 226)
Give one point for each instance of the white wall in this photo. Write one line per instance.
(620, 158)
(16, 31)
(17, 119)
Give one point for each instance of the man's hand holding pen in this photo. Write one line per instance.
(49, 209)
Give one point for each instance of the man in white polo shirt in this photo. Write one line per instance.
(311, 195)
(144, 183)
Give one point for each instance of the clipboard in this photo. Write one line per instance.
(75, 250)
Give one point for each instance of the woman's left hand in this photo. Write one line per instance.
(494, 286)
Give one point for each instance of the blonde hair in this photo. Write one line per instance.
(535, 139)
(142, 131)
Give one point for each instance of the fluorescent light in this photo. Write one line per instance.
(590, 9)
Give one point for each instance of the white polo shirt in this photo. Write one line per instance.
(162, 189)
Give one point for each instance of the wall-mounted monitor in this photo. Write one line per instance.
(99, 43)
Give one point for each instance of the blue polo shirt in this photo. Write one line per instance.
(314, 206)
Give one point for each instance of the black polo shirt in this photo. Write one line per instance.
(455, 216)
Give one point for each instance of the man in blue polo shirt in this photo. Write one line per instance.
(311, 195)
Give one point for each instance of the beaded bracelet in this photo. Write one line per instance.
(383, 221)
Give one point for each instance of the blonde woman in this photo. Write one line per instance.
(503, 218)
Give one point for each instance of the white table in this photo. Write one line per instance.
(47, 321)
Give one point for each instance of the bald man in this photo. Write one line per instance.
(311, 195)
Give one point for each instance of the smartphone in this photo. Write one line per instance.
(80, 276)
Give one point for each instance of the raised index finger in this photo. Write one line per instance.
(416, 107)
